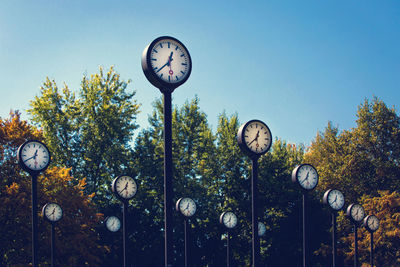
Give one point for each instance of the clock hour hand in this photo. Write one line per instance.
(33, 157)
(166, 64)
(255, 139)
(187, 207)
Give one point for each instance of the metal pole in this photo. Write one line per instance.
(53, 244)
(304, 232)
(254, 200)
(334, 249)
(168, 205)
(124, 231)
(34, 221)
(372, 250)
(228, 256)
(186, 242)
(355, 245)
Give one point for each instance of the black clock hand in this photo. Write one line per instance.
(187, 206)
(305, 178)
(255, 139)
(166, 64)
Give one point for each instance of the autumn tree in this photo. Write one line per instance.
(91, 130)
(77, 243)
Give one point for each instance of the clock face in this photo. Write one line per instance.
(255, 137)
(52, 212)
(372, 223)
(306, 176)
(125, 187)
(187, 206)
(336, 199)
(229, 219)
(357, 213)
(113, 224)
(34, 156)
(166, 62)
(261, 229)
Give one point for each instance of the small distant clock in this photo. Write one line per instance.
(124, 187)
(254, 138)
(371, 222)
(113, 224)
(52, 212)
(228, 219)
(306, 176)
(334, 199)
(33, 156)
(261, 229)
(166, 63)
(355, 212)
(186, 206)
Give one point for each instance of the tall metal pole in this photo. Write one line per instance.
(53, 244)
(304, 232)
(334, 249)
(168, 205)
(355, 245)
(34, 221)
(124, 231)
(372, 250)
(185, 227)
(228, 256)
(254, 201)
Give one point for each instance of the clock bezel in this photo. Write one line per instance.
(221, 219)
(326, 197)
(295, 178)
(152, 77)
(44, 212)
(178, 208)
(348, 213)
(242, 143)
(366, 219)
(105, 223)
(24, 166)
(114, 189)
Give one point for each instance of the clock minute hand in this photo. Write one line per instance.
(166, 64)
(256, 138)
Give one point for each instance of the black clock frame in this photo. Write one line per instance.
(179, 210)
(365, 222)
(44, 214)
(153, 77)
(348, 213)
(22, 164)
(242, 143)
(295, 179)
(114, 189)
(325, 199)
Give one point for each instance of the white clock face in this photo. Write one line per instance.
(373, 223)
(230, 219)
(170, 61)
(187, 207)
(357, 213)
(125, 187)
(336, 199)
(307, 176)
(53, 212)
(257, 137)
(113, 224)
(261, 229)
(34, 155)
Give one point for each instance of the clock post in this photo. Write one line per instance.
(371, 223)
(34, 157)
(52, 212)
(167, 64)
(254, 139)
(228, 219)
(356, 213)
(187, 207)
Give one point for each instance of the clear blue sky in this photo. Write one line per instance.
(293, 64)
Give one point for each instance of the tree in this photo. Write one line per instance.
(77, 242)
(91, 133)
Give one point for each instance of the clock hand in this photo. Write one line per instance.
(171, 72)
(187, 206)
(255, 139)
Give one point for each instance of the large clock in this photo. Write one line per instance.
(166, 63)
(33, 156)
(254, 138)
(124, 187)
(306, 176)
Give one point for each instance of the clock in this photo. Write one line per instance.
(254, 138)
(228, 219)
(52, 212)
(261, 229)
(355, 212)
(124, 187)
(186, 206)
(113, 224)
(33, 156)
(306, 176)
(371, 222)
(334, 198)
(166, 63)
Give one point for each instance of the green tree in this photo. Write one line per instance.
(91, 132)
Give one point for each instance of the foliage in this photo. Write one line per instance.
(91, 133)
(77, 243)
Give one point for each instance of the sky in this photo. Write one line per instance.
(295, 65)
